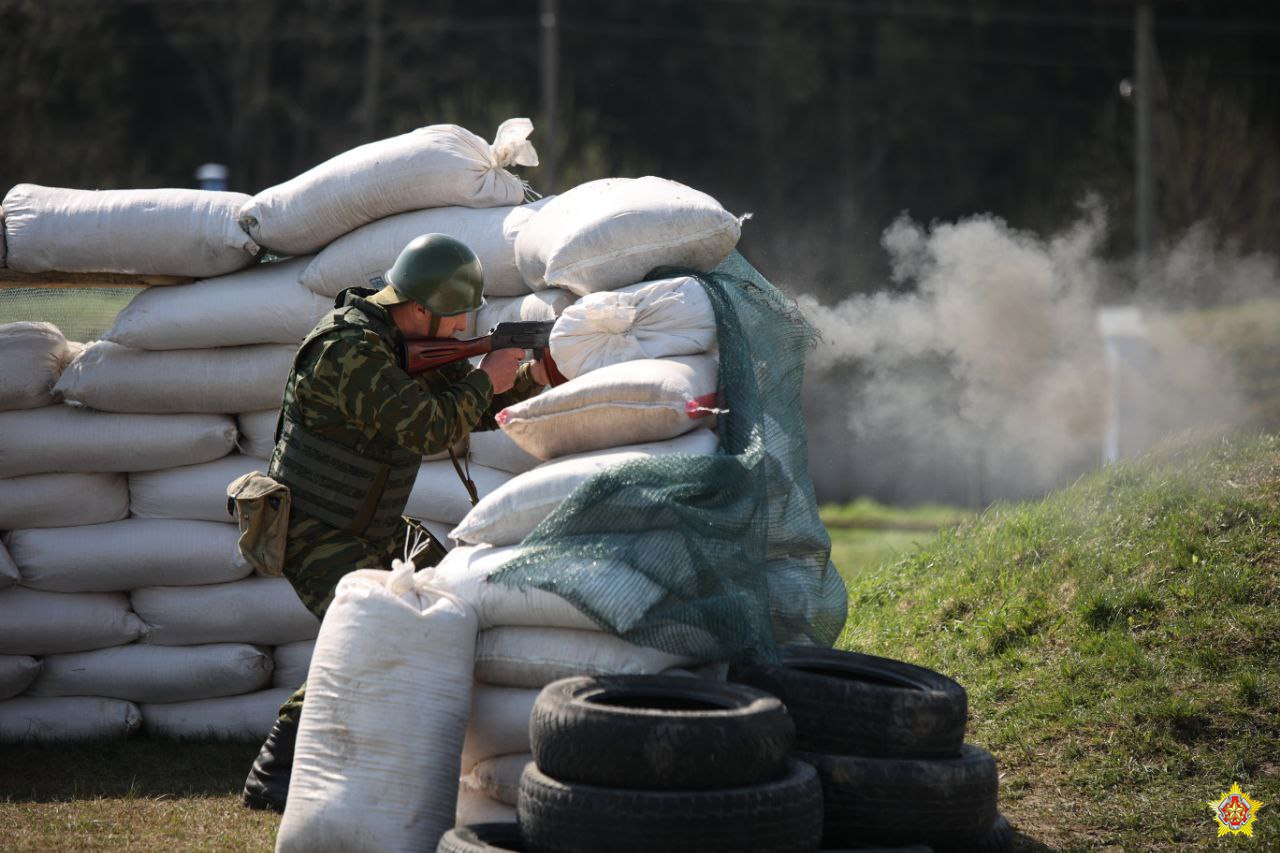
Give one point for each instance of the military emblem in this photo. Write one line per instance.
(1235, 812)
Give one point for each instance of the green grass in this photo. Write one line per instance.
(1119, 642)
(138, 795)
(867, 513)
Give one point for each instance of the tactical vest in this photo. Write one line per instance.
(360, 489)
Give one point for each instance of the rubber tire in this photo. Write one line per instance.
(998, 840)
(482, 838)
(944, 803)
(613, 731)
(784, 816)
(848, 703)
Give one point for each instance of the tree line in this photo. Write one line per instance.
(825, 118)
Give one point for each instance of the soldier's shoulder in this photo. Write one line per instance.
(349, 345)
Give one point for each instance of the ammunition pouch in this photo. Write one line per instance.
(261, 505)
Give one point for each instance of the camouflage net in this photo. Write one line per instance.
(716, 556)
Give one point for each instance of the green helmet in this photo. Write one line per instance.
(438, 272)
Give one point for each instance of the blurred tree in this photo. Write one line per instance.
(825, 118)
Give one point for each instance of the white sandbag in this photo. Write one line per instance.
(634, 402)
(435, 166)
(540, 307)
(9, 574)
(475, 807)
(180, 232)
(197, 492)
(263, 304)
(657, 319)
(247, 718)
(112, 378)
(262, 611)
(145, 673)
(62, 500)
(464, 572)
(376, 765)
(439, 495)
(535, 657)
(124, 555)
(493, 448)
(292, 661)
(33, 622)
(499, 722)
(439, 530)
(16, 673)
(257, 432)
(507, 514)
(498, 778)
(610, 233)
(364, 255)
(67, 718)
(32, 357)
(62, 438)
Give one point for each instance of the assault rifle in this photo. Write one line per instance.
(429, 353)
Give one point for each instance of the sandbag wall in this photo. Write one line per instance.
(640, 358)
(182, 395)
(124, 603)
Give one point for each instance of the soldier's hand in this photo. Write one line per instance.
(501, 366)
(539, 373)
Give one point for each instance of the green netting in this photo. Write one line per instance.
(718, 556)
(81, 313)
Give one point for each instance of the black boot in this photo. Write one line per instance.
(268, 784)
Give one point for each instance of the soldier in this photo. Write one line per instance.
(354, 427)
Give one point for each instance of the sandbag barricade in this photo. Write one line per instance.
(658, 386)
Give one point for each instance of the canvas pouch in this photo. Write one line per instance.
(261, 505)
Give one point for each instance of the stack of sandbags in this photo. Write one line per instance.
(69, 652)
(134, 466)
(134, 470)
(134, 602)
(640, 357)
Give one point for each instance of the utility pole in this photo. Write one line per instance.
(550, 67)
(1144, 190)
(372, 69)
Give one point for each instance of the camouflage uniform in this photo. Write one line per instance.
(349, 386)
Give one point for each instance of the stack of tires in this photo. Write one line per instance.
(666, 763)
(887, 740)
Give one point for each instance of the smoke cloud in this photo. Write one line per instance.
(981, 370)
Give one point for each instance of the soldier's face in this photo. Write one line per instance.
(415, 322)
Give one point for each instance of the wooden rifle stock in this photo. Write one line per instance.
(430, 353)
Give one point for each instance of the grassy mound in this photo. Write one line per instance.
(1120, 642)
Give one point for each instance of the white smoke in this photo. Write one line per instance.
(988, 352)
